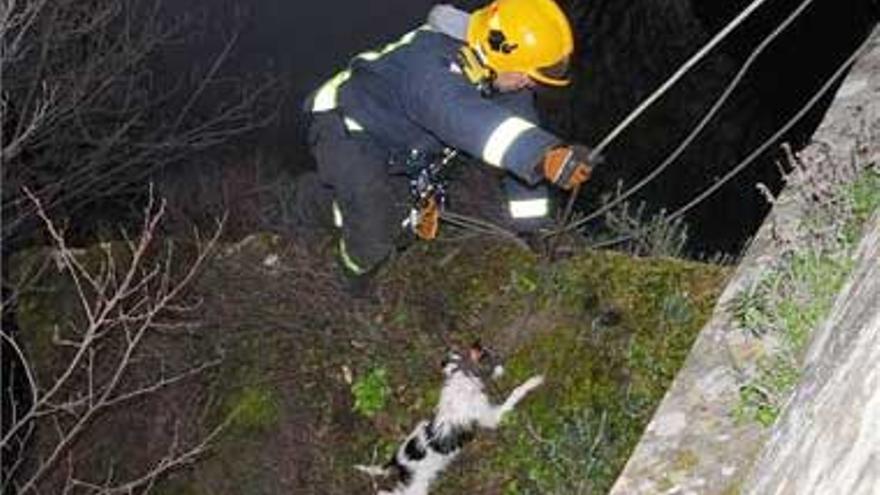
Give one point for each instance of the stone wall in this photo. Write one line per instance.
(695, 445)
(828, 440)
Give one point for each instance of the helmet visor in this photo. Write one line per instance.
(556, 74)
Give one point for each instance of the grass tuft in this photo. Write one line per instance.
(792, 299)
(371, 392)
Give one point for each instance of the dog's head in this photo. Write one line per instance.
(477, 361)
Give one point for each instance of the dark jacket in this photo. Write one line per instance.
(411, 94)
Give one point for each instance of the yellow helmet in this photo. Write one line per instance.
(530, 36)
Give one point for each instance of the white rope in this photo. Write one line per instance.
(763, 147)
(687, 66)
(481, 226)
(772, 139)
(704, 121)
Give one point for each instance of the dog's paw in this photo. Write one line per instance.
(533, 382)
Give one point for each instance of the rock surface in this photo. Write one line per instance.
(695, 445)
(828, 441)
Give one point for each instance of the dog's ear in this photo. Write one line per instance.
(486, 361)
(475, 351)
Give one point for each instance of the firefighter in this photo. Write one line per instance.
(464, 81)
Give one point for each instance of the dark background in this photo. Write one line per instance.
(624, 51)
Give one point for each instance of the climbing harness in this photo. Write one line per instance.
(427, 187)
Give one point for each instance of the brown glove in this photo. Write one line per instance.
(567, 166)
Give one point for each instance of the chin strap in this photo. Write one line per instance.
(477, 72)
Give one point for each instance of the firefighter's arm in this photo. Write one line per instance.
(454, 111)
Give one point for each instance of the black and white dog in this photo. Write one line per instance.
(464, 406)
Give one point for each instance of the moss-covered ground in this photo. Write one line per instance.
(315, 382)
(608, 332)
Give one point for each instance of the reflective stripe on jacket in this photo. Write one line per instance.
(411, 95)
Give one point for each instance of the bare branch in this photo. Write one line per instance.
(174, 460)
(130, 302)
(32, 382)
(84, 117)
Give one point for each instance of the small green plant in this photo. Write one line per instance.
(864, 194)
(756, 405)
(750, 307)
(255, 408)
(677, 309)
(863, 197)
(523, 283)
(371, 392)
(761, 399)
(795, 296)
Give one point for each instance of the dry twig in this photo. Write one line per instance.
(124, 298)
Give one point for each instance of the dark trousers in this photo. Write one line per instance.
(353, 172)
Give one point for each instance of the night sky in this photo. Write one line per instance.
(631, 48)
(301, 43)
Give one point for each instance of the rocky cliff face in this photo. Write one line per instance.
(828, 440)
(712, 426)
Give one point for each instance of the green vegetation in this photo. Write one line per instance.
(371, 392)
(254, 408)
(793, 298)
(609, 333)
(863, 198)
(628, 329)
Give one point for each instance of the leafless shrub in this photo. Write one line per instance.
(817, 181)
(86, 117)
(101, 361)
(634, 230)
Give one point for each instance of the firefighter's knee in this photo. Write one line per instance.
(359, 258)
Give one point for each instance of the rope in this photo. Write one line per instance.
(565, 226)
(766, 144)
(486, 227)
(701, 125)
(762, 147)
(482, 226)
(684, 69)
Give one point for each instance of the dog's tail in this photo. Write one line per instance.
(374, 470)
